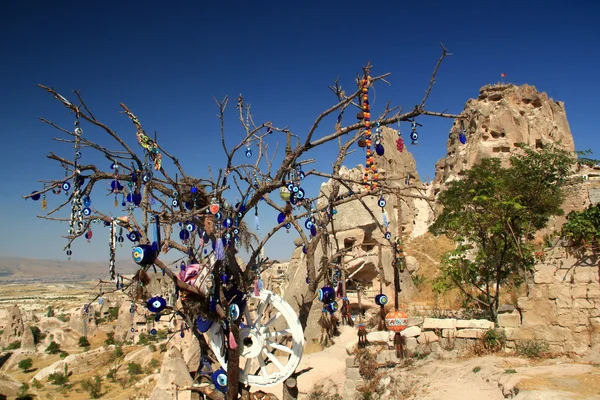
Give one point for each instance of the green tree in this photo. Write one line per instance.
(84, 342)
(134, 369)
(492, 214)
(38, 336)
(93, 386)
(582, 228)
(50, 312)
(25, 364)
(53, 348)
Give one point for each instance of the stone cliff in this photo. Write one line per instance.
(500, 117)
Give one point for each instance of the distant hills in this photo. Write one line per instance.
(20, 269)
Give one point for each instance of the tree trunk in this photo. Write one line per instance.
(290, 389)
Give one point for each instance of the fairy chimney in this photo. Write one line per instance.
(14, 328)
(83, 320)
(502, 116)
(27, 340)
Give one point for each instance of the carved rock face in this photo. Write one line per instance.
(500, 117)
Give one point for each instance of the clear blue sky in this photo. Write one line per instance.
(166, 60)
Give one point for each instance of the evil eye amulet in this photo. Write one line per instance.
(290, 187)
(66, 186)
(300, 194)
(35, 197)
(381, 203)
(388, 235)
(156, 304)
(190, 227)
(153, 332)
(248, 152)
(414, 136)
(462, 138)
(203, 324)
(144, 254)
(326, 294)
(87, 211)
(147, 177)
(219, 379)
(301, 175)
(381, 299)
(234, 311)
(308, 224)
(133, 236)
(175, 203)
(331, 307)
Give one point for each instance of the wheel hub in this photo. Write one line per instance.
(252, 342)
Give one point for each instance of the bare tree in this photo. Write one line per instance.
(157, 200)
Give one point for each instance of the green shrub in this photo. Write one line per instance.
(58, 378)
(492, 341)
(134, 369)
(14, 345)
(118, 351)
(53, 348)
(50, 312)
(93, 386)
(63, 355)
(476, 369)
(36, 384)
(532, 348)
(38, 336)
(112, 374)
(25, 364)
(510, 371)
(84, 342)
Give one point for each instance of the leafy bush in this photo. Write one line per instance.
(58, 378)
(50, 312)
(25, 364)
(14, 345)
(53, 348)
(36, 384)
(492, 341)
(62, 317)
(113, 313)
(84, 342)
(93, 386)
(476, 369)
(63, 355)
(418, 280)
(510, 371)
(112, 374)
(118, 351)
(532, 348)
(134, 369)
(110, 338)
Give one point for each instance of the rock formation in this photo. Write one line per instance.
(173, 372)
(14, 328)
(83, 320)
(500, 117)
(27, 340)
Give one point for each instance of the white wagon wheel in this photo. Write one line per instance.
(271, 341)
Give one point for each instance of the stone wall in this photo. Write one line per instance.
(563, 306)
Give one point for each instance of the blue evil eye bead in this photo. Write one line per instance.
(313, 230)
(132, 330)
(114, 165)
(326, 294)
(388, 235)
(300, 194)
(184, 234)
(248, 152)
(304, 250)
(133, 236)
(153, 332)
(137, 199)
(219, 379)
(219, 215)
(308, 224)
(295, 189)
(290, 187)
(280, 218)
(175, 193)
(236, 231)
(381, 299)
(301, 175)
(227, 236)
(234, 311)
(331, 307)
(66, 186)
(188, 205)
(156, 304)
(194, 190)
(35, 197)
(462, 138)
(175, 203)
(227, 223)
(293, 199)
(414, 136)
(77, 155)
(203, 325)
(87, 211)
(379, 149)
(381, 203)
(87, 201)
(288, 226)
(147, 177)
(190, 227)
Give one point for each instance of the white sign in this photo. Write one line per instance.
(594, 194)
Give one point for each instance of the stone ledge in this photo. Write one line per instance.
(437, 323)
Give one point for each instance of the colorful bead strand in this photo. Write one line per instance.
(370, 168)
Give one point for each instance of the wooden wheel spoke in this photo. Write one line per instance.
(272, 320)
(278, 346)
(263, 366)
(284, 332)
(273, 359)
